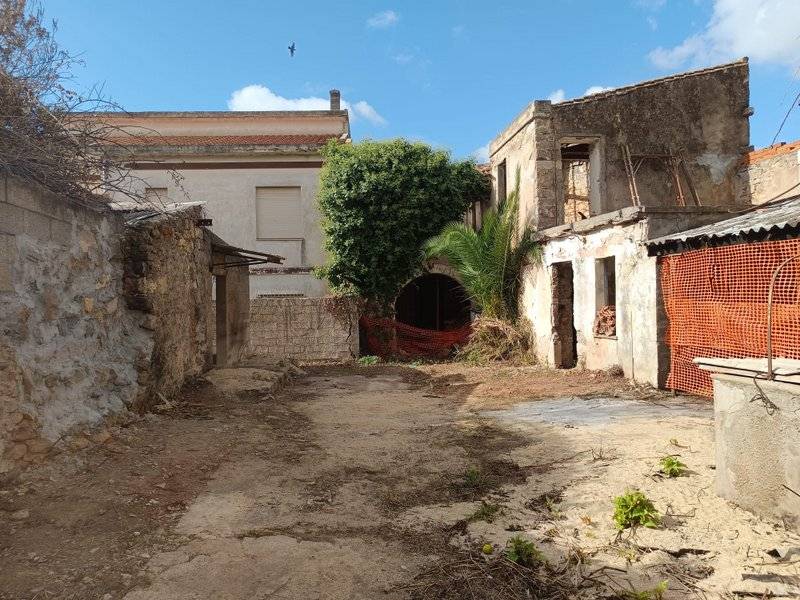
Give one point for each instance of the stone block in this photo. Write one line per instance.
(37, 226)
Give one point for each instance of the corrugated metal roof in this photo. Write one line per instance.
(779, 215)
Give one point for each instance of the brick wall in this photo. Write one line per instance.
(304, 329)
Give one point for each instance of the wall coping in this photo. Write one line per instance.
(629, 214)
(786, 370)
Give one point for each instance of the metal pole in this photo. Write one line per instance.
(770, 374)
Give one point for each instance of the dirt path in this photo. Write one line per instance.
(353, 481)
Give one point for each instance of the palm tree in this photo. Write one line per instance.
(489, 260)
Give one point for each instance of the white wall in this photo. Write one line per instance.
(230, 196)
(635, 348)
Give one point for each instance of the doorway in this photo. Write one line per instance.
(565, 338)
(433, 301)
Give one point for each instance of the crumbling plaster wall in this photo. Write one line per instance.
(304, 329)
(639, 346)
(168, 278)
(634, 347)
(702, 116)
(70, 351)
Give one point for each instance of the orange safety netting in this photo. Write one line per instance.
(388, 338)
(716, 303)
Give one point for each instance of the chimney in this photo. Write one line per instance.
(336, 100)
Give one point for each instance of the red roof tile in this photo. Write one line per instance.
(226, 140)
(770, 151)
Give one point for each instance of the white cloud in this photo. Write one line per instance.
(365, 110)
(403, 58)
(596, 89)
(764, 30)
(481, 155)
(653, 22)
(383, 19)
(259, 97)
(557, 96)
(458, 30)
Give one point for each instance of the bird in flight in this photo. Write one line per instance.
(291, 49)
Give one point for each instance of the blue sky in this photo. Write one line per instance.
(451, 73)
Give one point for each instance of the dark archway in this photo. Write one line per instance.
(433, 301)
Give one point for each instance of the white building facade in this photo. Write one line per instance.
(256, 172)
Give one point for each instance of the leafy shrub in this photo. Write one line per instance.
(672, 467)
(523, 552)
(380, 201)
(367, 361)
(634, 509)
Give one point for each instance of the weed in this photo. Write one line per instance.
(657, 593)
(368, 361)
(634, 509)
(552, 507)
(487, 549)
(487, 512)
(473, 478)
(672, 467)
(587, 520)
(523, 552)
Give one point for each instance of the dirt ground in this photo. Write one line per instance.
(386, 482)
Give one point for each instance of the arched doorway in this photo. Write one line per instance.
(433, 301)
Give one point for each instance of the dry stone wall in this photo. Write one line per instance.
(304, 329)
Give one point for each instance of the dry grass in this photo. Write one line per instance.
(495, 340)
(471, 576)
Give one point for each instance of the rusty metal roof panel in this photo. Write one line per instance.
(776, 216)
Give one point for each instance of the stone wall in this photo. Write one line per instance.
(168, 278)
(96, 317)
(70, 350)
(769, 174)
(701, 116)
(304, 329)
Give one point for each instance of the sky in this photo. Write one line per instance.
(452, 73)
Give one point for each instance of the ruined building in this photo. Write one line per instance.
(598, 176)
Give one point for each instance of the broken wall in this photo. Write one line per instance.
(168, 279)
(638, 346)
(304, 329)
(700, 116)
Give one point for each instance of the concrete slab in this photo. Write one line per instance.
(573, 410)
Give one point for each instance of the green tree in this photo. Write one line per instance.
(489, 261)
(380, 201)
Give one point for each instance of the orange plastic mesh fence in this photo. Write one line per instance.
(716, 303)
(387, 337)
